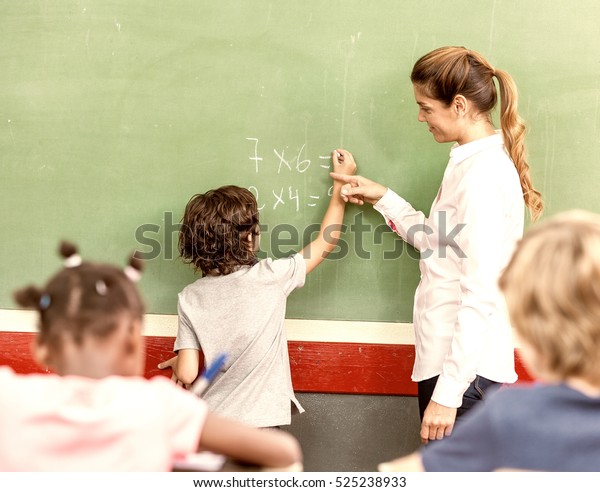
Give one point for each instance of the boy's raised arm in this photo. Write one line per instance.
(331, 226)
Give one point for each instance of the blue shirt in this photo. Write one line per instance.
(538, 428)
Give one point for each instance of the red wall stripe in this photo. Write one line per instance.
(317, 367)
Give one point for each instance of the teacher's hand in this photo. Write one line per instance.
(438, 422)
(357, 189)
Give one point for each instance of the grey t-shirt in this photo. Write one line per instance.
(538, 428)
(242, 314)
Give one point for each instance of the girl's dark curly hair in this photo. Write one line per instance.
(84, 298)
(215, 230)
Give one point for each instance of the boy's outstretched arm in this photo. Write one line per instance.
(331, 226)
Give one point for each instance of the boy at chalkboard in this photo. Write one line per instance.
(238, 306)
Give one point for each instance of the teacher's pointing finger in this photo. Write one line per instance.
(345, 178)
(361, 188)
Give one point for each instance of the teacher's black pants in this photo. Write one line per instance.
(474, 394)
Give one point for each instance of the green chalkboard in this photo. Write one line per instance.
(113, 113)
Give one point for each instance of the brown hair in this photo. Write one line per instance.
(446, 72)
(82, 299)
(215, 228)
(552, 290)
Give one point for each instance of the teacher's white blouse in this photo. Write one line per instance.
(459, 316)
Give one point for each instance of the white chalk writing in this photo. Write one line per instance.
(288, 165)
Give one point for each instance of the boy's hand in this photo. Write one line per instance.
(172, 363)
(343, 162)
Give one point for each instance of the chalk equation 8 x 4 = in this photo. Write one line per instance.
(288, 195)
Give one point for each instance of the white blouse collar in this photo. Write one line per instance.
(459, 153)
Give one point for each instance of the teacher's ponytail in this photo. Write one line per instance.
(513, 130)
(446, 72)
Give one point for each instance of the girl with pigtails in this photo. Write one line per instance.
(463, 338)
(96, 412)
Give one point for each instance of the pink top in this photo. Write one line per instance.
(71, 423)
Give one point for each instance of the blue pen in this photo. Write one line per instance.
(208, 374)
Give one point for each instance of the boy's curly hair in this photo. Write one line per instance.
(215, 229)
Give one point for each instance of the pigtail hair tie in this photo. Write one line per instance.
(69, 252)
(101, 287)
(45, 302)
(135, 267)
(32, 297)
